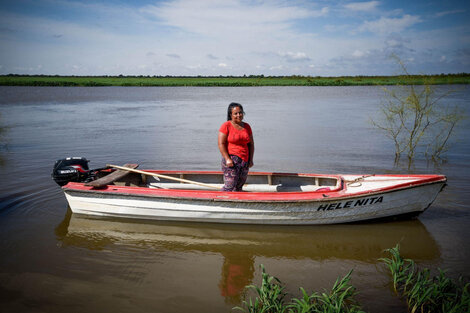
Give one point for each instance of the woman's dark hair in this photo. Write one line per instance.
(232, 106)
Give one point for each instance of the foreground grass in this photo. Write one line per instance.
(421, 292)
(424, 293)
(271, 298)
(244, 81)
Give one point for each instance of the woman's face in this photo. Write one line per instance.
(237, 115)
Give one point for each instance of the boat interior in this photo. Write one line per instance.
(256, 182)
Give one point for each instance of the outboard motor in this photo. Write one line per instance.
(74, 169)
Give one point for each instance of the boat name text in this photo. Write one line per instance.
(350, 204)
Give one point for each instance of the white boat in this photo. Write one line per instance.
(267, 198)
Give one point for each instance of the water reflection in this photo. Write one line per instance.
(237, 272)
(241, 244)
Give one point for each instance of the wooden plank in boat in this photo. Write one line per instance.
(108, 179)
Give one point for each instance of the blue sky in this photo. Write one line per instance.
(231, 37)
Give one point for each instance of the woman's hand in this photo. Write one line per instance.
(250, 165)
(229, 162)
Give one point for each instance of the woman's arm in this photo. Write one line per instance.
(251, 149)
(222, 141)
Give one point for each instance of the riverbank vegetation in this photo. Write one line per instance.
(229, 81)
(421, 292)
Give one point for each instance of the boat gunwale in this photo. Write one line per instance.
(337, 194)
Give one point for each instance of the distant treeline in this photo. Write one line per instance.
(245, 81)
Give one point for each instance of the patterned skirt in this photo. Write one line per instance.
(234, 177)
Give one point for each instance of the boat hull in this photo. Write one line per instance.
(411, 200)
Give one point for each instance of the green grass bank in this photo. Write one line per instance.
(229, 81)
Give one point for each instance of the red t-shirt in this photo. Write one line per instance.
(237, 140)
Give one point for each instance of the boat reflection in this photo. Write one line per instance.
(241, 244)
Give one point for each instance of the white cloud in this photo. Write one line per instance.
(393, 42)
(337, 28)
(358, 53)
(444, 13)
(386, 25)
(362, 6)
(222, 65)
(173, 55)
(294, 56)
(195, 67)
(324, 11)
(229, 18)
(277, 67)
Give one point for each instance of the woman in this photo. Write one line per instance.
(237, 147)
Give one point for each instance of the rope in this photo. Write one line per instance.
(350, 182)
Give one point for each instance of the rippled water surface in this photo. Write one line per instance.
(54, 261)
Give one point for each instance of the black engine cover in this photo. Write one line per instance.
(73, 169)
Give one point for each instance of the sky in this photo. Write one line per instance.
(234, 37)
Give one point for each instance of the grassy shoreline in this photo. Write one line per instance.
(230, 81)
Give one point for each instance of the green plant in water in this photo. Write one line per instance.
(270, 298)
(339, 299)
(402, 269)
(422, 292)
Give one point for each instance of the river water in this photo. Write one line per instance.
(54, 261)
